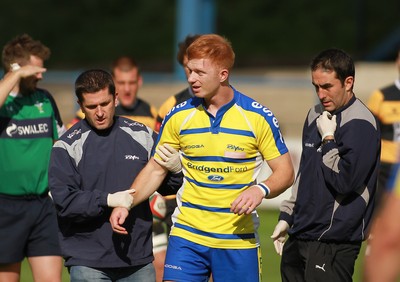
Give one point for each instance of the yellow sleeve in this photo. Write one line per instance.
(170, 134)
(375, 101)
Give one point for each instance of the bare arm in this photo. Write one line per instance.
(281, 178)
(11, 80)
(145, 184)
(382, 263)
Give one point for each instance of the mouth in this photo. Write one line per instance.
(101, 121)
(195, 88)
(325, 103)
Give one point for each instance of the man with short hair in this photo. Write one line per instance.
(223, 137)
(29, 124)
(128, 80)
(91, 168)
(330, 210)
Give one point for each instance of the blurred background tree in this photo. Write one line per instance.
(90, 33)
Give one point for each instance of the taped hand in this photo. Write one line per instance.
(326, 124)
(121, 199)
(279, 236)
(170, 158)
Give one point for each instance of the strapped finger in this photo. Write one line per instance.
(160, 162)
(161, 154)
(165, 151)
(169, 148)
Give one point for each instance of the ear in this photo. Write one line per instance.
(348, 83)
(116, 99)
(223, 74)
(80, 104)
(140, 81)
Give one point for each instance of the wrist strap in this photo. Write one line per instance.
(264, 188)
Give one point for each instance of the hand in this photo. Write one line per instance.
(279, 236)
(247, 201)
(27, 70)
(326, 124)
(171, 159)
(121, 199)
(117, 218)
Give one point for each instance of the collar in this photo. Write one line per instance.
(351, 102)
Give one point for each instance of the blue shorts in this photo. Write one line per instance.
(28, 228)
(188, 261)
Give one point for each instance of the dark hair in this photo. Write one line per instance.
(183, 45)
(335, 60)
(19, 49)
(92, 81)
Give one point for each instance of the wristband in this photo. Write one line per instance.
(264, 188)
(14, 67)
(327, 141)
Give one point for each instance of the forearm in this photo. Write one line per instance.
(148, 181)
(70, 199)
(383, 260)
(7, 84)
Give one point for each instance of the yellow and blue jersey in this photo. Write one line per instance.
(221, 156)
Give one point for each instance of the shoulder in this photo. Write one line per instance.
(144, 104)
(45, 94)
(391, 93)
(184, 106)
(250, 105)
(74, 133)
(358, 112)
(128, 124)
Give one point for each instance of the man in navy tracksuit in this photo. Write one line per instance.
(330, 210)
(91, 169)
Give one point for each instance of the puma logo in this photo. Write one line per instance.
(320, 267)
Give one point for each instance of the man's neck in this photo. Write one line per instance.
(223, 97)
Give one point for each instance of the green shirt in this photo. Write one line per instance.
(28, 127)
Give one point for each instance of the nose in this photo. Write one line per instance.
(190, 77)
(99, 111)
(320, 92)
(39, 76)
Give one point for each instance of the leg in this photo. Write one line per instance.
(160, 242)
(345, 258)
(186, 261)
(236, 265)
(144, 273)
(46, 268)
(87, 274)
(292, 263)
(10, 272)
(159, 259)
(331, 261)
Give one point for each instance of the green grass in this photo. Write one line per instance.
(271, 261)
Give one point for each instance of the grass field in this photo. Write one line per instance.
(271, 260)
